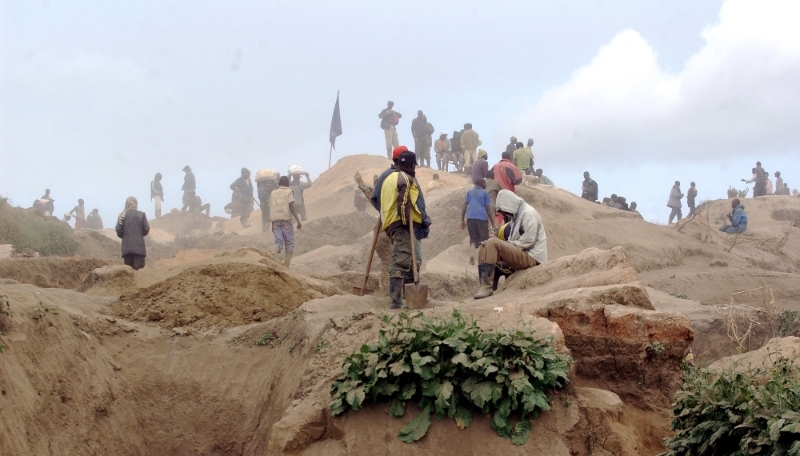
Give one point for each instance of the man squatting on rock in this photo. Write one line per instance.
(525, 245)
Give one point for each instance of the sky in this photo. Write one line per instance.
(95, 98)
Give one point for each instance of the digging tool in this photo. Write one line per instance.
(364, 290)
(416, 293)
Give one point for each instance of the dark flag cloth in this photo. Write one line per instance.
(336, 123)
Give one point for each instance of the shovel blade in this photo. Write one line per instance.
(416, 295)
(358, 291)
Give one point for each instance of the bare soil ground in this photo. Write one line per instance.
(216, 348)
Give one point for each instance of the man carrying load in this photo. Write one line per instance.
(298, 188)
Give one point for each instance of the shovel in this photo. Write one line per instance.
(416, 293)
(364, 290)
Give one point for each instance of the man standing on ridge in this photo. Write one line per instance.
(157, 194)
(589, 188)
(389, 120)
(456, 152)
(418, 131)
(512, 145)
(523, 158)
(189, 185)
(690, 198)
(243, 188)
(401, 206)
(674, 202)
(481, 167)
(469, 144)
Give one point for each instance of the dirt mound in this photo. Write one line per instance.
(109, 280)
(178, 222)
(95, 244)
(51, 272)
(222, 294)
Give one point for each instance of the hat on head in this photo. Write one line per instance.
(245, 171)
(397, 151)
(406, 158)
(186, 168)
(444, 132)
(482, 153)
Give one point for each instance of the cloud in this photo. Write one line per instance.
(737, 95)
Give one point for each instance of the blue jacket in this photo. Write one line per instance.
(738, 218)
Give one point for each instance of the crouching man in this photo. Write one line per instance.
(525, 243)
(737, 219)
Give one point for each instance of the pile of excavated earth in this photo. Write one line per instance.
(216, 348)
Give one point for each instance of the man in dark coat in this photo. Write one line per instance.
(132, 227)
(243, 191)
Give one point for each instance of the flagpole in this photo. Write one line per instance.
(330, 151)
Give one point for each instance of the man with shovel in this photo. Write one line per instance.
(525, 245)
(403, 211)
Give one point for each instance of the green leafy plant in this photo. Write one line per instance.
(788, 323)
(654, 349)
(321, 345)
(737, 412)
(452, 368)
(266, 338)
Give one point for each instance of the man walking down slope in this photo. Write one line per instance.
(281, 210)
(389, 120)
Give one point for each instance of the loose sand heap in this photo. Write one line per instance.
(216, 348)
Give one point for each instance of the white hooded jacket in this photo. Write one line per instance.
(527, 230)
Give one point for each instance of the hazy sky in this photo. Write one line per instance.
(97, 98)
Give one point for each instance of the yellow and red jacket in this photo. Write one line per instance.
(399, 195)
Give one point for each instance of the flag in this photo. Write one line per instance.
(336, 123)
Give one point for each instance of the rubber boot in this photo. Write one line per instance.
(396, 293)
(287, 260)
(485, 275)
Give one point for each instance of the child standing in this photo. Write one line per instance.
(476, 215)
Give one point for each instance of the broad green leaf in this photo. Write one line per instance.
(500, 422)
(408, 391)
(355, 397)
(395, 408)
(463, 417)
(443, 399)
(481, 394)
(337, 407)
(397, 368)
(462, 359)
(416, 428)
(522, 431)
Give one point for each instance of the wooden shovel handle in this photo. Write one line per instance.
(413, 253)
(371, 254)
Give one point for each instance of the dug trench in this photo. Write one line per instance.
(83, 380)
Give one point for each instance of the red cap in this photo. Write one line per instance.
(397, 151)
